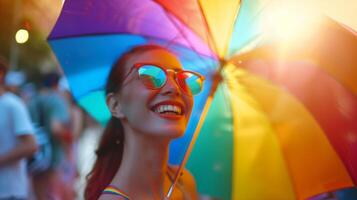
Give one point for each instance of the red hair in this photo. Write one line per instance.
(111, 145)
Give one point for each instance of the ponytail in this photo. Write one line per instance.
(109, 156)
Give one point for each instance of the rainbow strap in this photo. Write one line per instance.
(115, 191)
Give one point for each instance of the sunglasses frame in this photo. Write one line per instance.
(176, 72)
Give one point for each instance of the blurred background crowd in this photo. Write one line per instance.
(34, 77)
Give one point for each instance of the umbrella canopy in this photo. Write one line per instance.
(281, 123)
(304, 101)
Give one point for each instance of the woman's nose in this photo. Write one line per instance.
(171, 86)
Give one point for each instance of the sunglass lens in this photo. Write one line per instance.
(190, 82)
(152, 77)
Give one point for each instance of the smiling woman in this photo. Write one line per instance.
(150, 98)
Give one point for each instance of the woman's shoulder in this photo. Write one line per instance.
(186, 181)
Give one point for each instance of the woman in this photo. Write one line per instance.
(150, 99)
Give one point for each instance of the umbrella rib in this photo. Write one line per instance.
(184, 36)
(166, 11)
(232, 28)
(209, 40)
(226, 96)
(233, 81)
(190, 147)
(209, 31)
(256, 39)
(216, 80)
(255, 16)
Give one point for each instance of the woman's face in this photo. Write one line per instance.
(140, 106)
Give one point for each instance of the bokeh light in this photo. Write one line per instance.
(22, 36)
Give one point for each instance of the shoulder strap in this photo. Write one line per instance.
(110, 189)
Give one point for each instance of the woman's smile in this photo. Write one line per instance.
(169, 109)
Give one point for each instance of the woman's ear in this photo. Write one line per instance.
(114, 105)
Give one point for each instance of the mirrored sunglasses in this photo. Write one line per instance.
(155, 77)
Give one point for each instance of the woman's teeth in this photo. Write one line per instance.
(168, 108)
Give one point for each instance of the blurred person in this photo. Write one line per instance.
(14, 80)
(16, 142)
(150, 98)
(51, 104)
(76, 114)
(28, 92)
(71, 136)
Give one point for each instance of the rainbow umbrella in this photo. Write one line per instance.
(304, 101)
(276, 119)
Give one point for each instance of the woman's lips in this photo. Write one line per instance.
(169, 116)
(169, 109)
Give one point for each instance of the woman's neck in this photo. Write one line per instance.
(143, 167)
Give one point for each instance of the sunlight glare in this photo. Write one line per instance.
(289, 20)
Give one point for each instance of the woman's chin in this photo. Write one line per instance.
(172, 130)
(173, 134)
